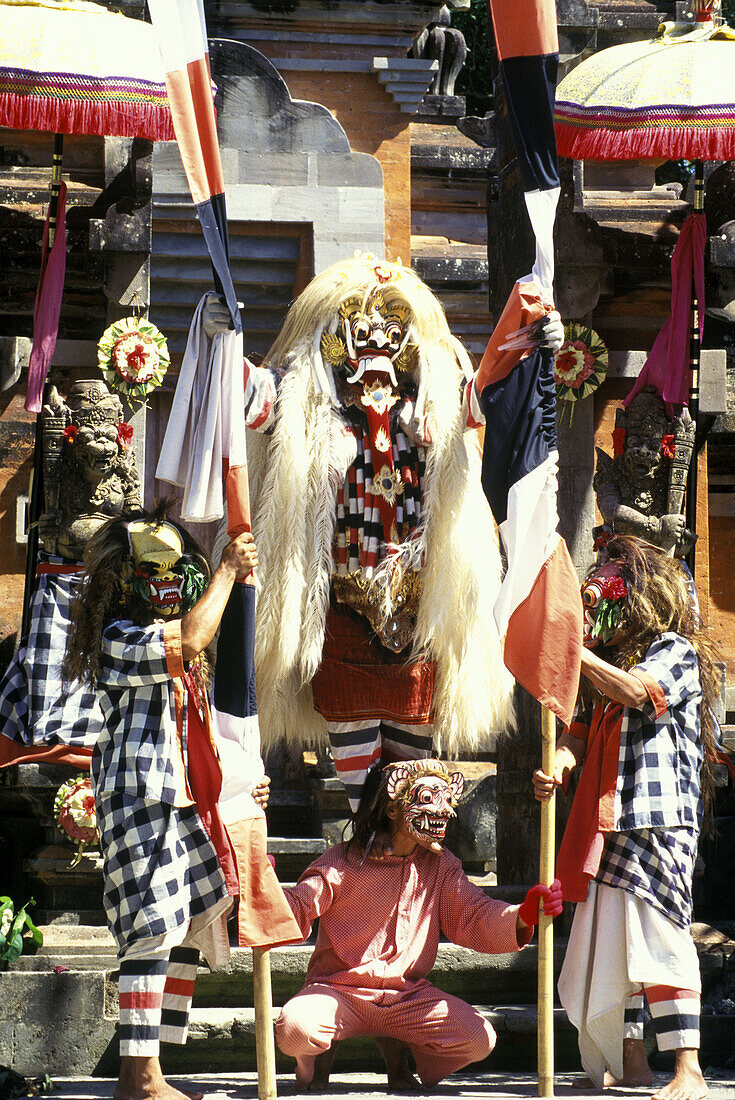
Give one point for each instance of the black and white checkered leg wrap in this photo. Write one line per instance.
(35, 707)
(654, 864)
(160, 868)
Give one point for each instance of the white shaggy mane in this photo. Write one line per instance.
(295, 475)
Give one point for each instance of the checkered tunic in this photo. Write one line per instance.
(139, 751)
(660, 747)
(35, 708)
(160, 867)
(658, 805)
(654, 864)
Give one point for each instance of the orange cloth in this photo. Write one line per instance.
(264, 917)
(524, 306)
(593, 809)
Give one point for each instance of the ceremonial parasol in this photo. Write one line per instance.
(71, 67)
(673, 97)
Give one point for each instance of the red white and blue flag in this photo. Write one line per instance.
(538, 611)
(203, 448)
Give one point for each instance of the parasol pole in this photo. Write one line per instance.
(694, 361)
(36, 487)
(265, 1050)
(546, 926)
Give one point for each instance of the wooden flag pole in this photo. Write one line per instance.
(265, 1050)
(546, 927)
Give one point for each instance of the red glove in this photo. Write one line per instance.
(552, 901)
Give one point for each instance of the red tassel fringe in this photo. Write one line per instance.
(83, 117)
(690, 142)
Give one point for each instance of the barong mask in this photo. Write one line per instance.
(372, 339)
(425, 793)
(604, 599)
(165, 578)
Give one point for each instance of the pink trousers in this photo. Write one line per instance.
(443, 1032)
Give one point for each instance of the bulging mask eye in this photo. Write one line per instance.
(360, 330)
(591, 595)
(394, 334)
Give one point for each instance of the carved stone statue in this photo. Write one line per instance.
(640, 491)
(88, 469)
(446, 44)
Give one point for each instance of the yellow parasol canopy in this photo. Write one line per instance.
(672, 96)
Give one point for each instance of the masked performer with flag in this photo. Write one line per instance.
(647, 739)
(145, 613)
(381, 566)
(380, 918)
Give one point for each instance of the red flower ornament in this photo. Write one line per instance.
(668, 446)
(614, 588)
(124, 434)
(70, 433)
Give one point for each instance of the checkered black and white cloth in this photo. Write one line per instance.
(139, 752)
(661, 754)
(160, 868)
(656, 865)
(34, 707)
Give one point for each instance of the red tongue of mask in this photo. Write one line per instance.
(378, 399)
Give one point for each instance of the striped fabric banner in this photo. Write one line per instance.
(205, 437)
(182, 33)
(538, 611)
(528, 48)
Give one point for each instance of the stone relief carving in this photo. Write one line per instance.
(88, 469)
(640, 491)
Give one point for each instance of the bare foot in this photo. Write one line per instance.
(610, 1082)
(322, 1069)
(395, 1053)
(141, 1079)
(312, 1074)
(636, 1070)
(687, 1082)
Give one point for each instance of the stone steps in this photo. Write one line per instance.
(222, 1040)
(66, 1023)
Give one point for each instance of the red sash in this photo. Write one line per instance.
(593, 808)
(205, 781)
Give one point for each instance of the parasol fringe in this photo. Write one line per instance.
(74, 117)
(667, 142)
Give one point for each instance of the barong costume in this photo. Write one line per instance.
(379, 928)
(364, 483)
(628, 859)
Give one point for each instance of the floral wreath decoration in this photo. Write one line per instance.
(75, 813)
(133, 357)
(580, 364)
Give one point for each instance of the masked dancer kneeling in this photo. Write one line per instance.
(380, 918)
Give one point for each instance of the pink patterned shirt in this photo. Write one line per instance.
(379, 923)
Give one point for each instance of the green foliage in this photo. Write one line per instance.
(475, 81)
(728, 12)
(12, 928)
(675, 171)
